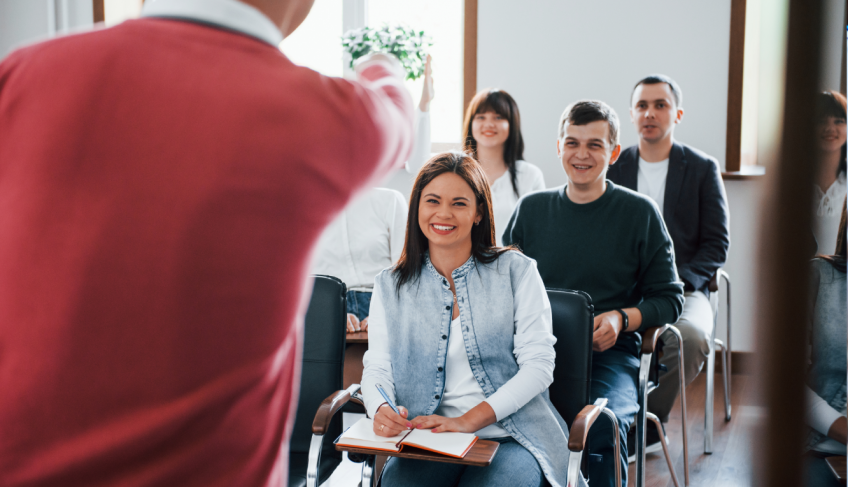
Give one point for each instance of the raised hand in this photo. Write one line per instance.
(427, 93)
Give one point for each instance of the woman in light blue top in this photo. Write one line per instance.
(460, 336)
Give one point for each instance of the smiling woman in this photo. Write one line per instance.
(453, 302)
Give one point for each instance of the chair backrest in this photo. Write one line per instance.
(323, 362)
(573, 323)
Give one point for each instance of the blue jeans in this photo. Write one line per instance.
(615, 376)
(817, 472)
(359, 304)
(513, 466)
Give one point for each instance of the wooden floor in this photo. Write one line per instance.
(728, 466)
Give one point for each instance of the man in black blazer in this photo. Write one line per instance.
(686, 185)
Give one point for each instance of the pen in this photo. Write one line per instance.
(389, 401)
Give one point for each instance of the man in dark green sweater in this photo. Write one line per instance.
(611, 242)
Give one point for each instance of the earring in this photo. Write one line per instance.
(476, 223)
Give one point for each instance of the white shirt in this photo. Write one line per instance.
(820, 417)
(229, 14)
(364, 239)
(651, 180)
(533, 351)
(827, 213)
(528, 178)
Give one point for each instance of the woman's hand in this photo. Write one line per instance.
(477, 418)
(352, 323)
(441, 424)
(839, 430)
(363, 325)
(389, 423)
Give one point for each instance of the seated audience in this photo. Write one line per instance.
(686, 185)
(830, 188)
(363, 240)
(492, 135)
(461, 337)
(826, 389)
(595, 236)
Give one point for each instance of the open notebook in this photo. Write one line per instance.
(361, 435)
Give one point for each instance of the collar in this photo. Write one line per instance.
(227, 14)
(457, 273)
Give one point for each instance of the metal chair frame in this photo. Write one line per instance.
(645, 388)
(725, 360)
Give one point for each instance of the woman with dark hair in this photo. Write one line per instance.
(492, 135)
(460, 337)
(830, 188)
(826, 378)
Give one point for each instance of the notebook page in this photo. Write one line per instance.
(453, 444)
(362, 433)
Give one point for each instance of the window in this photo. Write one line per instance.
(443, 21)
(317, 43)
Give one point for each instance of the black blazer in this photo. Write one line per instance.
(694, 210)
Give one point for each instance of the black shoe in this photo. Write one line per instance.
(652, 441)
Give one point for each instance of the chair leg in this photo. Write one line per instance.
(614, 420)
(367, 472)
(575, 458)
(654, 419)
(709, 398)
(681, 376)
(313, 460)
(728, 349)
(641, 417)
(726, 377)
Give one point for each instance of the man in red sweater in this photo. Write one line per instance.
(162, 184)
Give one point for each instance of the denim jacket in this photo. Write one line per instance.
(828, 339)
(419, 348)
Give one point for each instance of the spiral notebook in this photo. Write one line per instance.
(361, 435)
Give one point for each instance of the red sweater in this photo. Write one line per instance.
(162, 184)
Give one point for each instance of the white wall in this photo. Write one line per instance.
(26, 21)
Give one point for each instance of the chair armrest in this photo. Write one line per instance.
(582, 423)
(329, 407)
(714, 282)
(650, 337)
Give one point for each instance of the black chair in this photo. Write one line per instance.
(573, 316)
(321, 375)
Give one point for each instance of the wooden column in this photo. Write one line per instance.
(469, 61)
(733, 151)
(784, 259)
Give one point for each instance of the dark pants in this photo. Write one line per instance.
(359, 304)
(615, 376)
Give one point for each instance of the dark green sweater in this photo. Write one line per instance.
(615, 248)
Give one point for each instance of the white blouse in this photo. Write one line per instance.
(827, 213)
(528, 178)
(533, 351)
(364, 239)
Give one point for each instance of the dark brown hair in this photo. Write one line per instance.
(833, 104)
(483, 249)
(838, 260)
(498, 101)
(655, 79)
(584, 112)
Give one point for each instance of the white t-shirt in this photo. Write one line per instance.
(827, 212)
(651, 180)
(364, 239)
(528, 178)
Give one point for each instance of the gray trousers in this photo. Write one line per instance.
(696, 327)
